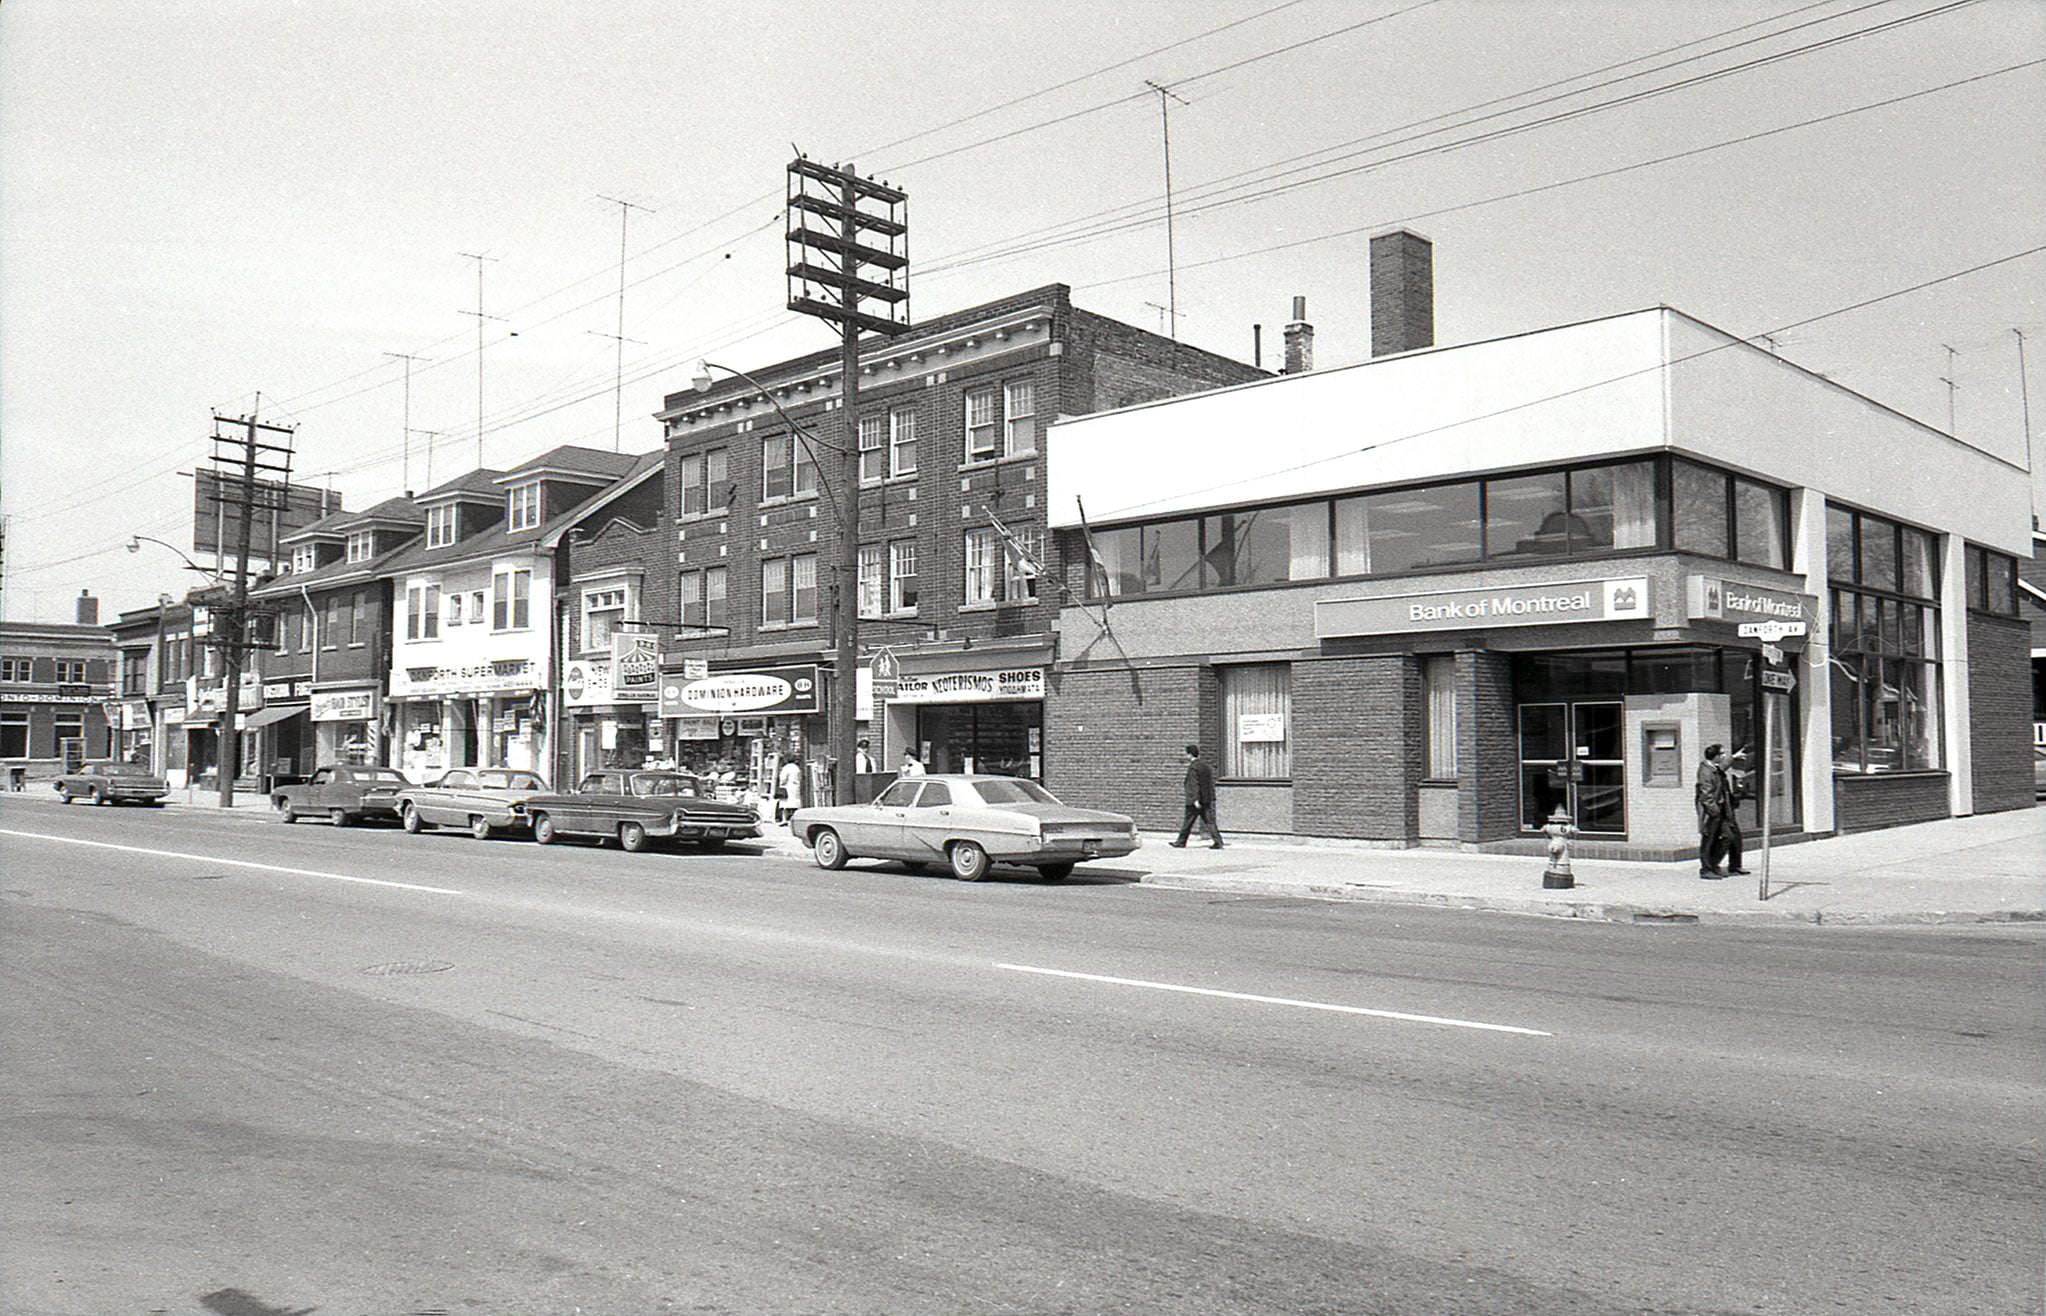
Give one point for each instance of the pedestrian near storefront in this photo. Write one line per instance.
(1712, 799)
(911, 765)
(1198, 789)
(1738, 785)
(788, 795)
(863, 761)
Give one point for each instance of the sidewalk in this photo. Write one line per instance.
(1987, 869)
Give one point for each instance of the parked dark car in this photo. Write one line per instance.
(342, 793)
(112, 783)
(638, 808)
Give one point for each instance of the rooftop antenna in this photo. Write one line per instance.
(1165, 98)
(1952, 387)
(405, 440)
(625, 209)
(479, 258)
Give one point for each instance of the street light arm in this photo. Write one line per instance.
(811, 443)
(135, 543)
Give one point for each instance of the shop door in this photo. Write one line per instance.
(1574, 754)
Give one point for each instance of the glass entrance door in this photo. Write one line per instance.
(1574, 754)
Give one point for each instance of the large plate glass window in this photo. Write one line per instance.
(1884, 673)
(1257, 721)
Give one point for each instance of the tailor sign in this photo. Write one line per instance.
(970, 687)
(1626, 599)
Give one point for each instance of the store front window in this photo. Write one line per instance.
(1257, 716)
(1885, 672)
(1006, 739)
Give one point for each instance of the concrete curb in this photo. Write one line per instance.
(1598, 911)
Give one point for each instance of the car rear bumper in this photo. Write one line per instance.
(1069, 850)
(691, 829)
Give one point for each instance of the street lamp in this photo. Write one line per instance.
(845, 607)
(135, 543)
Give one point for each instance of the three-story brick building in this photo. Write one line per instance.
(56, 683)
(953, 578)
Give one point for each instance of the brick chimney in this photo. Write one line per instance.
(1299, 341)
(1402, 292)
(88, 608)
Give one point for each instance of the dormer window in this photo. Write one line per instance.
(304, 558)
(361, 545)
(523, 507)
(440, 526)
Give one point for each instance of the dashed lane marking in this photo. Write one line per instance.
(232, 863)
(1280, 1000)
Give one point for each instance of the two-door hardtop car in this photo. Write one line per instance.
(968, 821)
(112, 783)
(343, 793)
(480, 799)
(638, 808)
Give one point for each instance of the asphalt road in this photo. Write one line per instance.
(248, 1068)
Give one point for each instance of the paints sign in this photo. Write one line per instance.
(635, 668)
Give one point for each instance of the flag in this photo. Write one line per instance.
(1098, 583)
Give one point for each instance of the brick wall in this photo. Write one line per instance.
(1110, 746)
(1122, 365)
(1357, 733)
(1488, 748)
(1999, 712)
(1867, 803)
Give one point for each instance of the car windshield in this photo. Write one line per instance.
(117, 769)
(512, 781)
(663, 783)
(1013, 790)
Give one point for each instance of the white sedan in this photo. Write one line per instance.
(968, 822)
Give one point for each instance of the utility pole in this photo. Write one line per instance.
(239, 458)
(479, 258)
(1165, 97)
(836, 292)
(405, 439)
(625, 209)
(1952, 387)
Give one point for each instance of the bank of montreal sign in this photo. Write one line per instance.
(1630, 598)
(778, 690)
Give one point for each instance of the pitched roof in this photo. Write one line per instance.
(327, 527)
(497, 539)
(391, 509)
(571, 459)
(482, 481)
(644, 466)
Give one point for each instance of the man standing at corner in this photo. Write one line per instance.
(1715, 806)
(1200, 800)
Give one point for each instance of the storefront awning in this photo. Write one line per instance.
(274, 713)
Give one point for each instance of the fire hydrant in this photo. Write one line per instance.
(1559, 831)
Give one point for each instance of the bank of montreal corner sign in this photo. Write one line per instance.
(1629, 598)
(773, 691)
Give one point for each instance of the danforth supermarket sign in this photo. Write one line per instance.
(1627, 599)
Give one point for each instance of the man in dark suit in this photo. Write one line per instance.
(1199, 791)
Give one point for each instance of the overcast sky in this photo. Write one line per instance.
(202, 202)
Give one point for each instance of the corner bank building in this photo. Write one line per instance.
(1428, 598)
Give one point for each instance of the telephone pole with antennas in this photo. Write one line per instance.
(1165, 98)
(481, 316)
(625, 209)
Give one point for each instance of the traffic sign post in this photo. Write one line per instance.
(1781, 682)
(1772, 630)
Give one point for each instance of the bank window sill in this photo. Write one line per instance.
(787, 500)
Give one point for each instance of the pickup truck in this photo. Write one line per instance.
(341, 793)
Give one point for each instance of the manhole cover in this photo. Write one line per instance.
(408, 966)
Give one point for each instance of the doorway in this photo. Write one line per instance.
(1574, 754)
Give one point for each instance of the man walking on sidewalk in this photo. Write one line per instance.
(1199, 791)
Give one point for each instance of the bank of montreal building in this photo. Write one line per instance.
(1429, 598)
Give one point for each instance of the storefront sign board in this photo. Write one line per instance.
(778, 690)
(344, 705)
(287, 689)
(970, 687)
(496, 676)
(1629, 598)
(696, 728)
(1772, 630)
(635, 668)
(586, 683)
(1710, 598)
(135, 717)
